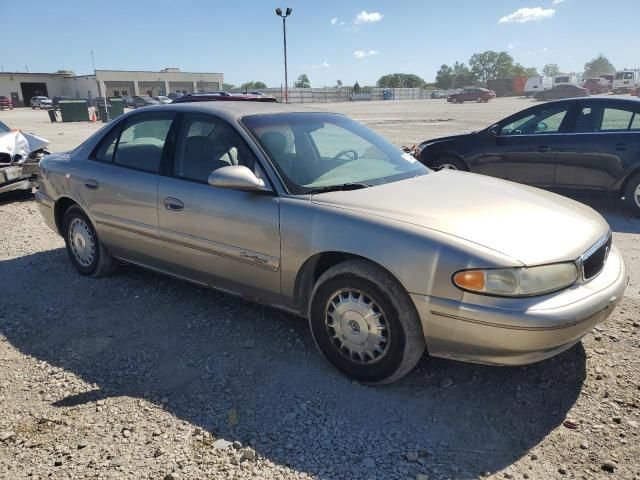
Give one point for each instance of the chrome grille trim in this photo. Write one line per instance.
(604, 241)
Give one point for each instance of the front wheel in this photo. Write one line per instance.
(632, 194)
(364, 323)
(86, 251)
(447, 163)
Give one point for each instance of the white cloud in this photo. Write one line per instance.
(556, 2)
(341, 24)
(511, 46)
(526, 14)
(334, 21)
(320, 65)
(359, 54)
(367, 17)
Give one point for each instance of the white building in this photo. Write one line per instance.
(22, 86)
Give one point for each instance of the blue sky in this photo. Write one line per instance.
(367, 39)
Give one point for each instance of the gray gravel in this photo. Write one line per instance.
(142, 376)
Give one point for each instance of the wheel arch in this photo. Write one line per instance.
(441, 154)
(622, 185)
(313, 268)
(60, 208)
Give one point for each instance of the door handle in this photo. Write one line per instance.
(544, 149)
(91, 184)
(621, 146)
(173, 204)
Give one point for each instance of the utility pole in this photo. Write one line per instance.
(284, 16)
(106, 109)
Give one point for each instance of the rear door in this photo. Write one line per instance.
(119, 186)
(599, 148)
(524, 149)
(226, 238)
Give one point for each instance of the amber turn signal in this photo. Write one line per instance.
(470, 280)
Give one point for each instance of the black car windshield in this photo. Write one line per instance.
(317, 151)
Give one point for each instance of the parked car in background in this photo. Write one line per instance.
(139, 102)
(625, 81)
(161, 99)
(100, 102)
(20, 153)
(174, 95)
(127, 100)
(40, 102)
(438, 94)
(316, 214)
(562, 91)
(537, 84)
(597, 86)
(635, 92)
(5, 102)
(479, 95)
(590, 144)
(565, 80)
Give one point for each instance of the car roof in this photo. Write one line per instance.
(234, 110)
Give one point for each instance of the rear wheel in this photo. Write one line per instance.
(86, 251)
(447, 163)
(479, 100)
(364, 323)
(632, 194)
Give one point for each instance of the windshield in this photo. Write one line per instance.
(4, 128)
(316, 150)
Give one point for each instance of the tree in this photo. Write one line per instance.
(490, 65)
(400, 80)
(598, 66)
(518, 70)
(302, 82)
(356, 88)
(444, 77)
(551, 70)
(253, 85)
(462, 76)
(228, 86)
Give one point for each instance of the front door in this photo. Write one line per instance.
(599, 147)
(524, 150)
(119, 186)
(228, 239)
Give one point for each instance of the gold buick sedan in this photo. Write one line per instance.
(312, 213)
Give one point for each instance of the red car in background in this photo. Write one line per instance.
(597, 86)
(480, 95)
(5, 102)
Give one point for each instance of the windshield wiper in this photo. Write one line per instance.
(338, 188)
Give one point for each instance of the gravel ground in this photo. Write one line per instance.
(142, 376)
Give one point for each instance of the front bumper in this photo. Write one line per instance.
(501, 331)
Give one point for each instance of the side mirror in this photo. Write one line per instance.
(236, 177)
(494, 130)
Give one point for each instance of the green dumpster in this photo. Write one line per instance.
(74, 110)
(117, 107)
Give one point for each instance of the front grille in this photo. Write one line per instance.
(593, 262)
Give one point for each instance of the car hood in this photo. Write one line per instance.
(447, 138)
(529, 225)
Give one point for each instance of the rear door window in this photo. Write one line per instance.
(142, 142)
(616, 119)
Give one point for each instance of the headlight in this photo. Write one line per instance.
(518, 282)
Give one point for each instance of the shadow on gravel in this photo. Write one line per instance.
(16, 196)
(208, 358)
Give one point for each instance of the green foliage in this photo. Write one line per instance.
(228, 86)
(444, 77)
(551, 70)
(400, 80)
(490, 65)
(356, 88)
(302, 82)
(598, 66)
(253, 85)
(518, 70)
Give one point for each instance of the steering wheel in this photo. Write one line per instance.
(353, 154)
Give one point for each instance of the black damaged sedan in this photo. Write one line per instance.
(590, 144)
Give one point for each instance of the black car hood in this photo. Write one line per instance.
(446, 139)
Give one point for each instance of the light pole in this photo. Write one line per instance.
(284, 16)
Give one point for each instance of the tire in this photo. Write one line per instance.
(86, 251)
(33, 108)
(360, 285)
(448, 163)
(479, 100)
(632, 194)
